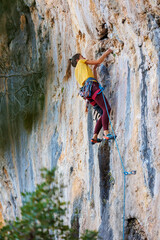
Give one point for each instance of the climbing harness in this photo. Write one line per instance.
(85, 91)
(124, 171)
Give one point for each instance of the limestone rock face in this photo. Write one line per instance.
(44, 123)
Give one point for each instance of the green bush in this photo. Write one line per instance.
(42, 215)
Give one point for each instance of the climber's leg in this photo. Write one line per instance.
(98, 126)
(105, 119)
(95, 88)
(96, 131)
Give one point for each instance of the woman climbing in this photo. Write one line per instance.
(90, 90)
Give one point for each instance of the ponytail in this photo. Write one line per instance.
(72, 61)
(68, 70)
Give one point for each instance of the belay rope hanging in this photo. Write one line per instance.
(124, 171)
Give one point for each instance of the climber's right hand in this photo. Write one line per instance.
(109, 51)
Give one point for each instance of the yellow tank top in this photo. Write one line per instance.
(83, 72)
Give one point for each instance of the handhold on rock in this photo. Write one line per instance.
(102, 32)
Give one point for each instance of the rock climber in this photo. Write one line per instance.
(91, 91)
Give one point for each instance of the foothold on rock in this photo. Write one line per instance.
(134, 230)
(23, 22)
(123, 20)
(71, 170)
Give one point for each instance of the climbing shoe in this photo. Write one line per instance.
(93, 141)
(109, 137)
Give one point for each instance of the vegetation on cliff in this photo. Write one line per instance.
(43, 215)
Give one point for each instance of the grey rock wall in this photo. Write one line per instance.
(43, 120)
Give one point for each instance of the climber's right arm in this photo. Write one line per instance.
(99, 60)
(95, 71)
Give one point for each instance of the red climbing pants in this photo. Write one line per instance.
(98, 98)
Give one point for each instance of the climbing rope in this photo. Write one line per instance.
(124, 171)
